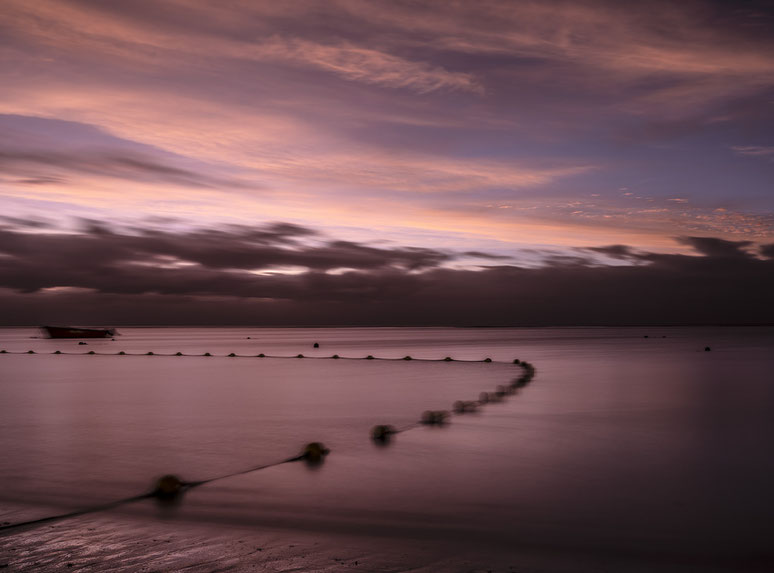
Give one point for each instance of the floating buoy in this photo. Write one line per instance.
(206, 354)
(30, 352)
(314, 452)
(57, 352)
(168, 488)
(335, 356)
(112, 340)
(81, 343)
(382, 432)
(261, 355)
(178, 353)
(369, 357)
(300, 356)
(516, 361)
(434, 417)
(407, 358)
(91, 352)
(248, 338)
(316, 345)
(232, 355)
(448, 359)
(646, 336)
(487, 359)
(462, 407)
(122, 353)
(149, 354)
(706, 349)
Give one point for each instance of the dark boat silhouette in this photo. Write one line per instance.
(74, 332)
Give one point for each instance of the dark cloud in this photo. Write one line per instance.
(615, 251)
(714, 247)
(102, 275)
(44, 151)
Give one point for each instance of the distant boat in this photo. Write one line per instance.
(72, 332)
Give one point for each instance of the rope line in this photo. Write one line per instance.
(170, 488)
(274, 356)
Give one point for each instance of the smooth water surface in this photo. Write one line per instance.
(648, 447)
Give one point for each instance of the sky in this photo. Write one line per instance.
(350, 162)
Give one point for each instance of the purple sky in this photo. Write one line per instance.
(163, 160)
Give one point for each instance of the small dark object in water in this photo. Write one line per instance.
(462, 407)
(434, 417)
(3, 351)
(232, 355)
(369, 357)
(206, 354)
(335, 356)
(516, 361)
(407, 358)
(30, 352)
(300, 356)
(168, 488)
(316, 345)
(149, 353)
(178, 353)
(646, 336)
(75, 332)
(707, 349)
(314, 452)
(82, 343)
(487, 359)
(122, 353)
(248, 338)
(382, 432)
(112, 340)
(261, 355)
(57, 352)
(91, 352)
(448, 359)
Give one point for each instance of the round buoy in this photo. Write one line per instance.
(122, 353)
(448, 359)
(316, 345)
(206, 354)
(300, 356)
(248, 338)
(232, 355)
(149, 354)
(707, 349)
(81, 343)
(57, 352)
(168, 488)
(434, 417)
(91, 352)
(407, 358)
(178, 353)
(261, 355)
(369, 357)
(382, 432)
(314, 452)
(30, 352)
(487, 359)
(516, 361)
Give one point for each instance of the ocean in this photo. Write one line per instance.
(632, 448)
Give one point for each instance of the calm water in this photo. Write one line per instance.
(646, 447)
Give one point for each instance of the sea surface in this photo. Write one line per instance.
(631, 442)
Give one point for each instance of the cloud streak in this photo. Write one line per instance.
(203, 277)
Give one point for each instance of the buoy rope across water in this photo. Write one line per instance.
(382, 433)
(170, 488)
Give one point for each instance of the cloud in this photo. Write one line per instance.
(47, 150)
(206, 276)
(720, 248)
(754, 151)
